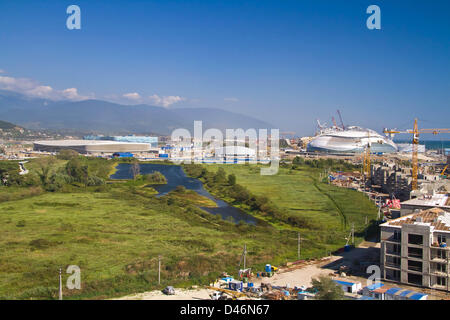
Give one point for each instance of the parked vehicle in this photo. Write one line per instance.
(169, 290)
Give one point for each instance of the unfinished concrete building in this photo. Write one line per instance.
(396, 180)
(414, 249)
(392, 179)
(425, 201)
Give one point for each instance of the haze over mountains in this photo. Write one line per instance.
(106, 117)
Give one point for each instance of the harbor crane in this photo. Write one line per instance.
(415, 146)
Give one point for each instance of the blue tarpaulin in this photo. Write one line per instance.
(123, 154)
(405, 293)
(344, 283)
(417, 296)
(375, 286)
(392, 290)
(366, 298)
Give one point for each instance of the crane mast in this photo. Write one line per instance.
(415, 156)
(334, 122)
(340, 117)
(415, 147)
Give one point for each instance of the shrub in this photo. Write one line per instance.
(231, 179)
(77, 170)
(57, 181)
(220, 176)
(21, 223)
(155, 177)
(180, 189)
(67, 154)
(95, 181)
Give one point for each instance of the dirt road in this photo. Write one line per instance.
(180, 294)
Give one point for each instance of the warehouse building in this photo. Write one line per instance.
(234, 151)
(91, 146)
(152, 140)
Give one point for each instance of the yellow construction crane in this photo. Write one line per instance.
(415, 146)
(443, 171)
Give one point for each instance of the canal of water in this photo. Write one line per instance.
(176, 176)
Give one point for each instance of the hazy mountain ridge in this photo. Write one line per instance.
(107, 117)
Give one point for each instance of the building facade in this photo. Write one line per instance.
(414, 249)
(90, 146)
(151, 140)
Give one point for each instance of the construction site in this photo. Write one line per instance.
(293, 281)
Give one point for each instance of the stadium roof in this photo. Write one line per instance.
(91, 146)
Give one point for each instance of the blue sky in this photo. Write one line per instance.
(286, 62)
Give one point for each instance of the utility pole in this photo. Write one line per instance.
(159, 269)
(60, 284)
(298, 247)
(245, 253)
(353, 233)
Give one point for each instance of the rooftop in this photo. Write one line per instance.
(436, 200)
(375, 286)
(435, 217)
(81, 142)
(412, 295)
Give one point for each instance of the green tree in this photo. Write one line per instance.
(298, 160)
(77, 170)
(155, 177)
(231, 179)
(220, 176)
(95, 181)
(135, 169)
(44, 166)
(327, 289)
(67, 154)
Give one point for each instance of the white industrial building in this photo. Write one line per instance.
(234, 151)
(91, 146)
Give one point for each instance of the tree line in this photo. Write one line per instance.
(226, 185)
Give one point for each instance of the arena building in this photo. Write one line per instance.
(91, 146)
(153, 141)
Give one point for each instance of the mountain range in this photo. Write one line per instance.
(98, 116)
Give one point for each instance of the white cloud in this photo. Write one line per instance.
(165, 101)
(132, 96)
(41, 91)
(2, 71)
(72, 94)
(231, 99)
(32, 88)
(19, 84)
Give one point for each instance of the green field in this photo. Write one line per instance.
(327, 212)
(115, 232)
(115, 240)
(299, 192)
